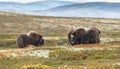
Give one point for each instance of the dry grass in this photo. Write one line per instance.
(53, 26)
(38, 66)
(60, 58)
(54, 30)
(12, 24)
(94, 66)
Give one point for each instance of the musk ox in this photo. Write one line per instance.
(31, 38)
(82, 36)
(76, 36)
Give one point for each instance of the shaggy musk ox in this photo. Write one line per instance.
(76, 36)
(31, 38)
(82, 36)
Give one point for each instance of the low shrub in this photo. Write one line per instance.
(81, 55)
(67, 55)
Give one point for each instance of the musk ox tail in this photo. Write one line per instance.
(20, 42)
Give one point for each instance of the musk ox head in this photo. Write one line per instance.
(31, 38)
(71, 37)
(36, 39)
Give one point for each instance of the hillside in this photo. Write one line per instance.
(64, 8)
(19, 23)
(32, 6)
(90, 9)
(12, 24)
(103, 6)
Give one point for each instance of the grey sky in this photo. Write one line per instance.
(24, 1)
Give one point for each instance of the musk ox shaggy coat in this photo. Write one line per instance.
(92, 36)
(31, 38)
(76, 36)
(81, 36)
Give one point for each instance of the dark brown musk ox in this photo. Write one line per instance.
(82, 36)
(76, 36)
(31, 38)
(92, 36)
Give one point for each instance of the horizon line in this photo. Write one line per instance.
(59, 1)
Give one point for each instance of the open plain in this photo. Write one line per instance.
(57, 53)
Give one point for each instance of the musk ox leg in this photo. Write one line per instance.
(97, 39)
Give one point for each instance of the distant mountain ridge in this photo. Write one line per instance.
(64, 8)
(39, 5)
(93, 5)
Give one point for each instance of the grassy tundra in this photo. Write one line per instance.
(54, 29)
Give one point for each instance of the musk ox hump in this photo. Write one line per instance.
(28, 34)
(79, 32)
(94, 28)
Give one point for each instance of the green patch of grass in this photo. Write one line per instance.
(12, 43)
(114, 42)
(6, 36)
(7, 44)
(111, 34)
(109, 56)
(82, 55)
(54, 42)
(17, 63)
(50, 42)
(63, 42)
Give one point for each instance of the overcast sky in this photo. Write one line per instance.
(25, 1)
